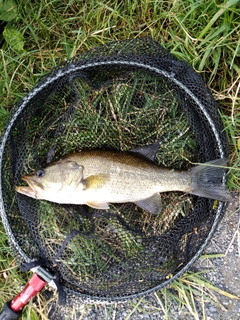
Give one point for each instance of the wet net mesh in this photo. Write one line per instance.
(118, 96)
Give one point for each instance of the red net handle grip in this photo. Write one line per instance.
(34, 285)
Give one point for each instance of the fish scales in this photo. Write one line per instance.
(129, 175)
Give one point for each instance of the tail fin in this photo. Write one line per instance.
(207, 180)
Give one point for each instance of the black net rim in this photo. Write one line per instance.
(67, 70)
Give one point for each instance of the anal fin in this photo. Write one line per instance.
(152, 204)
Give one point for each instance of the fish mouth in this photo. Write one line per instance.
(32, 189)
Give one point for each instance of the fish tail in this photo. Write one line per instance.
(207, 180)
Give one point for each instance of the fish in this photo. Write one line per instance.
(98, 178)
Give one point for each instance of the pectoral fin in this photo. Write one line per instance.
(95, 181)
(152, 204)
(98, 205)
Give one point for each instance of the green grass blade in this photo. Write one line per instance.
(225, 7)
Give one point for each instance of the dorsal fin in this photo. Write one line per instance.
(149, 151)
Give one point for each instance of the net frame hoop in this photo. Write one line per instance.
(66, 71)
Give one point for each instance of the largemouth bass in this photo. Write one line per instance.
(98, 178)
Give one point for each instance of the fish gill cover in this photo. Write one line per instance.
(119, 96)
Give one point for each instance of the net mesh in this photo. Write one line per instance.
(118, 96)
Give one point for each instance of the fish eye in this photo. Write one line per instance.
(40, 173)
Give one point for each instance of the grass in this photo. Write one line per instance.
(37, 36)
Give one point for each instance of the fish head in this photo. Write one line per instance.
(54, 182)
